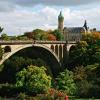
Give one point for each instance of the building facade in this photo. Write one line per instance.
(71, 33)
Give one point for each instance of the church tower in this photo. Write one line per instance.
(60, 22)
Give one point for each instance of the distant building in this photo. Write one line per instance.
(71, 33)
(60, 22)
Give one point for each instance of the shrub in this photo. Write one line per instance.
(8, 90)
(65, 82)
(34, 80)
(21, 96)
(1, 52)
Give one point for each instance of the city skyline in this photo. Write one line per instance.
(20, 16)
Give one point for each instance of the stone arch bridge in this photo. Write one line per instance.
(57, 49)
(53, 52)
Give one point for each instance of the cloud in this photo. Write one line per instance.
(6, 6)
(10, 5)
(46, 18)
(54, 2)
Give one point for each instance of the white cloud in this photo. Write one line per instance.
(10, 5)
(46, 18)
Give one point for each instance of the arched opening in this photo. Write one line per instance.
(7, 49)
(52, 47)
(60, 52)
(35, 52)
(56, 49)
(65, 56)
(73, 47)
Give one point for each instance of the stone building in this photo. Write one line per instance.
(71, 33)
(60, 22)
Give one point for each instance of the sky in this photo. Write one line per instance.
(19, 16)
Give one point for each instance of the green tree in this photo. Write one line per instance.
(17, 63)
(65, 82)
(4, 36)
(34, 79)
(1, 29)
(78, 55)
(38, 34)
(58, 34)
(87, 80)
(96, 55)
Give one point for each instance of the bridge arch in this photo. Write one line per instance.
(55, 65)
(69, 46)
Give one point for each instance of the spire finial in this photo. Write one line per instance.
(85, 25)
(60, 15)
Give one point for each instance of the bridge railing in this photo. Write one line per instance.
(35, 42)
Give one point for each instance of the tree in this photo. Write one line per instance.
(51, 37)
(4, 36)
(87, 80)
(80, 73)
(1, 29)
(1, 52)
(79, 55)
(33, 79)
(38, 34)
(17, 63)
(65, 82)
(58, 34)
(29, 35)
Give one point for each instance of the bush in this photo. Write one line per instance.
(21, 96)
(1, 52)
(8, 90)
(65, 82)
(33, 79)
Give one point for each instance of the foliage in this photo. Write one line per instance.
(66, 82)
(8, 90)
(1, 29)
(4, 36)
(51, 37)
(29, 35)
(21, 37)
(1, 52)
(79, 55)
(13, 38)
(33, 79)
(1, 67)
(91, 38)
(80, 73)
(21, 96)
(55, 94)
(86, 52)
(58, 34)
(96, 35)
(87, 80)
(51, 95)
(39, 34)
(15, 64)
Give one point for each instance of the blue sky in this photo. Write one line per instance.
(19, 16)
